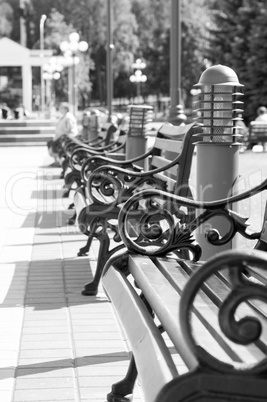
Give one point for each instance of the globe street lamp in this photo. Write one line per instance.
(52, 72)
(70, 49)
(138, 77)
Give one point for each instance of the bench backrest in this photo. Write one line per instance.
(173, 149)
(103, 135)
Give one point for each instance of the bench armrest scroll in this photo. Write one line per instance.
(244, 327)
(151, 210)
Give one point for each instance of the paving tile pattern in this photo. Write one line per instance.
(55, 344)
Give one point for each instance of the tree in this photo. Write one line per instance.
(6, 19)
(256, 88)
(238, 40)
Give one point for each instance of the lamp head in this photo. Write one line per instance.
(74, 37)
(218, 106)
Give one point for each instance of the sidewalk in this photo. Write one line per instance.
(55, 344)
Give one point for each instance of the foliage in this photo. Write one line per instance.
(230, 32)
(6, 18)
(238, 40)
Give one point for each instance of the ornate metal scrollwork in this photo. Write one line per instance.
(94, 162)
(109, 185)
(78, 156)
(240, 325)
(185, 224)
(148, 226)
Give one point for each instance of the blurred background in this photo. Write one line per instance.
(230, 32)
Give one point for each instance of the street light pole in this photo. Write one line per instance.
(23, 34)
(110, 47)
(138, 77)
(42, 21)
(73, 85)
(70, 49)
(176, 114)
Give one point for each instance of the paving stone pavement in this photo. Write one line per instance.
(55, 344)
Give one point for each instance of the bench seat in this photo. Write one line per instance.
(212, 314)
(210, 366)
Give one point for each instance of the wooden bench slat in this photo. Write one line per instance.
(170, 183)
(150, 275)
(144, 337)
(205, 316)
(170, 145)
(160, 162)
(209, 327)
(217, 291)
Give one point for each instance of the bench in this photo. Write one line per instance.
(197, 330)
(76, 152)
(257, 133)
(100, 200)
(106, 142)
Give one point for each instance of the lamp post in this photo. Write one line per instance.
(52, 72)
(177, 115)
(219, 110)
(23, 33)
(110, 47)
(70, 49)
(42, 21)
(138, 77)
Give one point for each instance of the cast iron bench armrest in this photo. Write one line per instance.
(90, 164)
(120, 184)
(119, 170)
(148, 204)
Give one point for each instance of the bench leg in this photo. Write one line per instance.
(72, 219)
(66, 193)
(125, 387)
(91, 288)
(104, 253)
(84, 250)
(91, 234)
(71, 206)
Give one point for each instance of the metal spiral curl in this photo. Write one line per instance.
(237, 223)
(156, 229)
(213, 235)
(248, 329)
(88, 166)
(244, 331)
(103, 184)
(150, 237)
(78, 156)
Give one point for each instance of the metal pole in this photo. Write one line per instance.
(23, 35)
(138, 91)
(175, 57)
(73, 86)
(110, 47)
(176, 112)
(42, 21)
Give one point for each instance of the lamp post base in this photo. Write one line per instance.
(216, 178)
